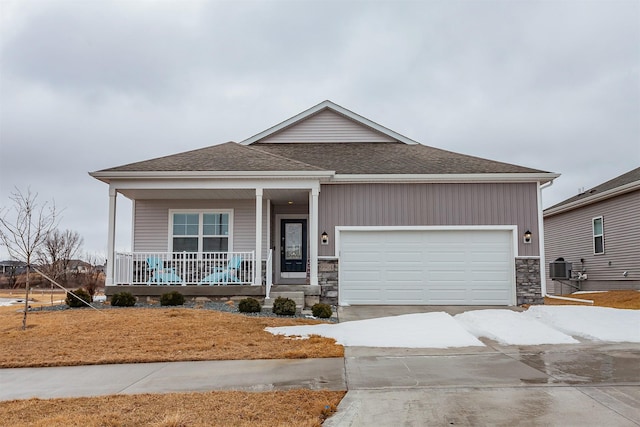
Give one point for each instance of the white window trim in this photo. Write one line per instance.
(594, 235)
(201, 225)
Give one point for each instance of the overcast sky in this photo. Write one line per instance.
(87, 85)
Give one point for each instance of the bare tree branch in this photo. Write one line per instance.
(24, 232)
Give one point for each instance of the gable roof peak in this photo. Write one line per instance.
(331, 106)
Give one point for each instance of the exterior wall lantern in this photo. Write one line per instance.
(324, 238)
(527, 237)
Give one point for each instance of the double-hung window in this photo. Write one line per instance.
(206, 231)
(598, 235)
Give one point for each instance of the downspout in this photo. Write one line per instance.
(543, 271)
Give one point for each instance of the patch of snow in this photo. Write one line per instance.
(511, 328)
(422, 330)
(594, 323)
(5, 302)
(587, 292)
(538, 325)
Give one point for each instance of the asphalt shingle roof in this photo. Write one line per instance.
(619, 181)
(388, 158)
(229, 156)
(343, 158)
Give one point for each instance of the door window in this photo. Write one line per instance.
(293, 241)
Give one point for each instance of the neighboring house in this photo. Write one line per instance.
(598, 233)
(78, 266)
(337, 206)
(13, 267)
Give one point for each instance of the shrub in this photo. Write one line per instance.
(249, 305)
(284, 307)
(172, 298)
(123, 299)
(322, 311)
(77, 299)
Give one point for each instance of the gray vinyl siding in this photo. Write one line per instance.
(151, 222)
(327, 126)
(569, 235)
(430, 204)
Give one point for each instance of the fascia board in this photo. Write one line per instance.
(627, 188)
(209, 184)
(452, 178)
(336, 108)
(181, 175)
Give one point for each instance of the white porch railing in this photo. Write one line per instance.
(184, 268)
(269, 278)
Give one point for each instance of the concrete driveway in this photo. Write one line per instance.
(586, 384)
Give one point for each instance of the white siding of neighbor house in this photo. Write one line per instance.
(151, 222)
(570, 235)
(327, 126)
(430, 204)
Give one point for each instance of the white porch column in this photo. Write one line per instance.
(111, 237)
(258, 277)
(313, 236)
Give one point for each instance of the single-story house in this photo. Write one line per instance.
(596, 234)
(337, 206)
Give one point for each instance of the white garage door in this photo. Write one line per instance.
(426, 267)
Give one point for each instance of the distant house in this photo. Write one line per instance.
(78, 266)
(597, 233)
(12, 267)
(333, 205)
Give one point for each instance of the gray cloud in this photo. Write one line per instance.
(90, 85)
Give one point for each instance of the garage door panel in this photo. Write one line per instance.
(448, 277)
(426, 267)
(403, 256)
(394, 277)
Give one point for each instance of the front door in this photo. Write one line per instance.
(293, 246)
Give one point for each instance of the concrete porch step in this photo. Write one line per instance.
(296, 296)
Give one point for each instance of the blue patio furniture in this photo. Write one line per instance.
(222, 276)
(160, 274)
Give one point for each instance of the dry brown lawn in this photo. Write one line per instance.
(86, 336)
(221, 408)
(131, 335)
(37, 298)
(628, 299)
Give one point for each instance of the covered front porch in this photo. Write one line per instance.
(212, 234)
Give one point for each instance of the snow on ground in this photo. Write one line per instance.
(5, 302)
(538, 325)
(594, 323)
(421, 330)
(511, 328)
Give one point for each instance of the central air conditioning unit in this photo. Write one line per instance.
(560, 269)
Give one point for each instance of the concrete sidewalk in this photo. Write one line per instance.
(167, 377)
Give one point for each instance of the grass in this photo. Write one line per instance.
(628, 299)
(85, 336)
(132, 335)
(37, 298)
(225, 408)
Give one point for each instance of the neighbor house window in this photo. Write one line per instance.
(200, 231)
(598, 236)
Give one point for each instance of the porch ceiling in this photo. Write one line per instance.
(275, 195)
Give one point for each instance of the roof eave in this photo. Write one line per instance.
(108, 176)
(336, 108)
(598, 197)
(447, 178)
